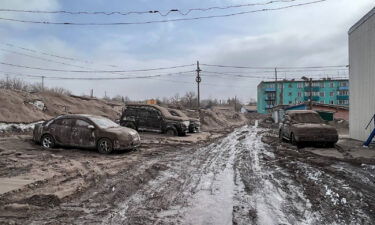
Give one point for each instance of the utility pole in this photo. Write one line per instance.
(42, 83)
(92, 93)
(198, 79)
(7, 84)
(275, 86)
(310, 84)
(235, 103)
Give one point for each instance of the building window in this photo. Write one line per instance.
(331, 102)
(321, 94)
(290, 94)
(322, 101)
(300, 85)
(331, 85)
(290, 85)
(315, 93)
(343, 93)
(331, 94)
(271, 86)
(322, 84)
(343, 84)
(299, 94)
(290, 102)
(280, 86)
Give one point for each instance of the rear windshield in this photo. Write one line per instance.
(307, 118)
(104, 122)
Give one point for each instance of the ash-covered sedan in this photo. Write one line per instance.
(306, 126)
(86, 131)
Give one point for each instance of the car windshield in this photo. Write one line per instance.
(307, 118)
(104, 122)
(174, 113)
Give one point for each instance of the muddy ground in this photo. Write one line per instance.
(245, 176)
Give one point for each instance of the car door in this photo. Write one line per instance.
(142, 118)
(155, 120)
(286, 126)
(61, 130)
(83, 133)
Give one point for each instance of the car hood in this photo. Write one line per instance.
(122, 131)
(314, 127)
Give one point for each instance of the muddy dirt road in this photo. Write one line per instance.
(235, 180)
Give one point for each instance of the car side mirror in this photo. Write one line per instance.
(91, 127)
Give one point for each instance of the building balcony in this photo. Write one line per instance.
(269, 106)
(270, 89)
(346, 88)
(342, 97)
(313, 98)
(314, 89)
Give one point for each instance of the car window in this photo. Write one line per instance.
(173, 113)
(153, 114)
(81, 123)
(103, 122)
(63, 122)
(143, 113)
(130, 112)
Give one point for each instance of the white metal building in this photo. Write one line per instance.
(362, 76)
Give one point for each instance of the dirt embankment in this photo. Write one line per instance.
(24, 107)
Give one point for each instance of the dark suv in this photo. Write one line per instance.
(146, 117)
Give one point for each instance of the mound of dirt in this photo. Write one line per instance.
(221, 117)
(24, 107)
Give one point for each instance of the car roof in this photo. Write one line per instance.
(163, 110)
(75, 116)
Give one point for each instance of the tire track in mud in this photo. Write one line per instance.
(230, 181)
(235, 180)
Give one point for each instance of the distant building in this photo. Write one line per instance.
(249, 109)
(362, 76)
(292, 92)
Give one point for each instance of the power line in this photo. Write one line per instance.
(159, 12)
(290, 67)
(94, 71)
(96, 78)
(160, 21)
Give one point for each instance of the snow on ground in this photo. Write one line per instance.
(5, 127)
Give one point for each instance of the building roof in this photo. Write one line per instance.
(362, 20)
(300, 80)
(250, 107)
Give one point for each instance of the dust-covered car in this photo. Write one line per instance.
(195, 125)
(306, 126)
(154, 118)
(86, 131)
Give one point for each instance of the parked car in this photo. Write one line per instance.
(303, 126)
(86, 131)
(195, 124)
(147, 117)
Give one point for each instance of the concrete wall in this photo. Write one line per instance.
(362, 76)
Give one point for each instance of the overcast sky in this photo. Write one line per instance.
(312, 35)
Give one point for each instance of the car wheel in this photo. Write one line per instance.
(294, 142)
(105, 146)
(171, 132)
(47, 141)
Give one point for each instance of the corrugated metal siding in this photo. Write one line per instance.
(362, 78)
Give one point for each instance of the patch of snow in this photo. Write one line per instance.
(38, 104)
(4, 127)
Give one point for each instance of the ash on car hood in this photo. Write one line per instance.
(121, 130)
(314, 126)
